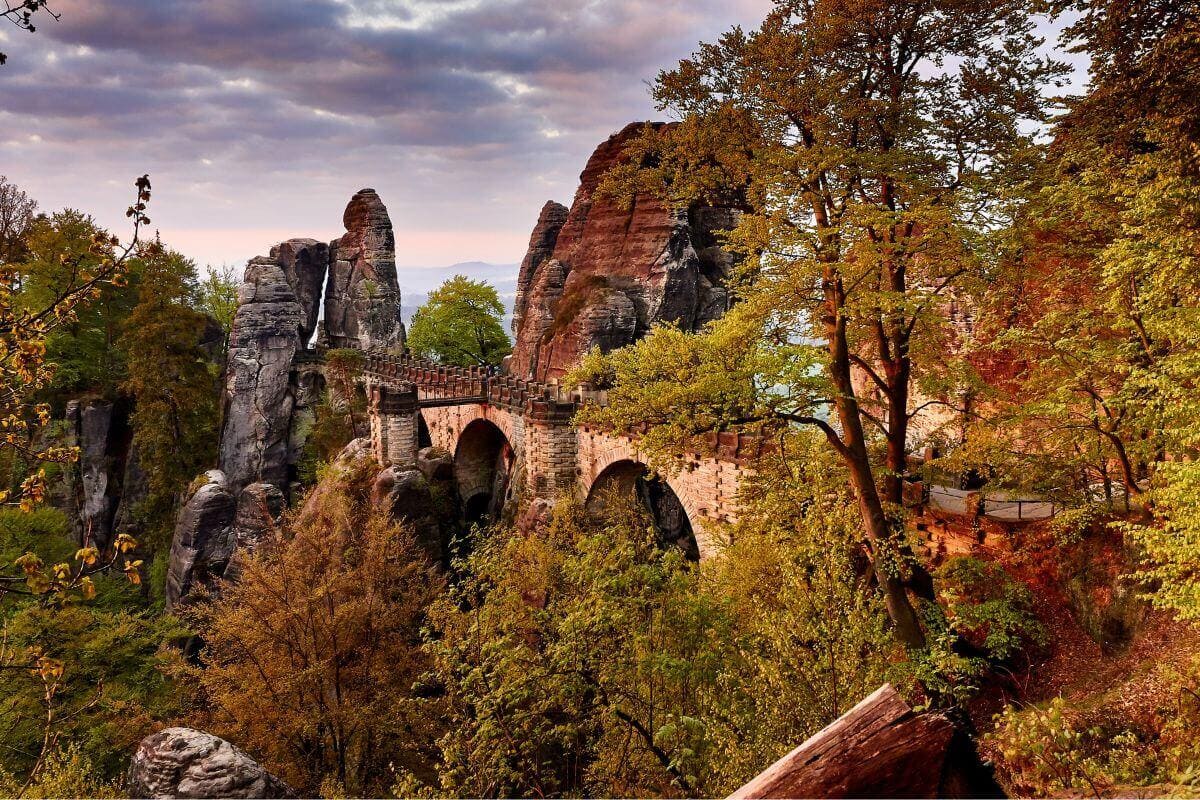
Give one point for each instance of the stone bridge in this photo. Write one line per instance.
(514, 438)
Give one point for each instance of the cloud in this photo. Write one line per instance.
(465, 114)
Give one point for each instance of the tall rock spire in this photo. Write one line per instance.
(362, 296)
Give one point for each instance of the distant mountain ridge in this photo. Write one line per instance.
(417, 282)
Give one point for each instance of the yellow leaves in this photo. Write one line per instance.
(132, 571)
(125, 543)
(50, 670)
(88, 555)
(29, 563)
(87, 588)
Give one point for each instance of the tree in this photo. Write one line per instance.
(872, 144)
(25, 328)
(460, 325)
(1119, 222)
(16, 217)
(312, 659)
(171, 381)
(83, 349)
(219, 296)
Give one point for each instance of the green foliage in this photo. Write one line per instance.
(104, 659)
(990, 609)
(173, 386)
(66, 772)
(563, 651)
(460, 325)
(1042, 750)
(84, 349)
(1170, 545)
(586, 659)
(218, 295)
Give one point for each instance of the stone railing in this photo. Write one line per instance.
(438, 382)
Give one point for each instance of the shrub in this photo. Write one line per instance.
(313, 658)
(988, 608)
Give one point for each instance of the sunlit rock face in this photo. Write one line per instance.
(607, 270)
(362, 296)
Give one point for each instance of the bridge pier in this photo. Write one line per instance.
(551, 449)
(394, 424)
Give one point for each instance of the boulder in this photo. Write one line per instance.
(609, 270)
(362, 296)
(259, 396)
(183, 762)
(435, 464)
(260, 508)
(879, 748)
(204, 538)
(408, 498)
(304, 263)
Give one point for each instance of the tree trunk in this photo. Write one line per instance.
(880, 748)
(886, 544)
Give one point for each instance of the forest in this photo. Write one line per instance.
(950, 270)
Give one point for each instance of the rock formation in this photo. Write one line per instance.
(260, 508)
(304, 263)
(362, 296)
(259, 396)
(183, 762)
(879, 748)
(541, 247)
(100, 429)
(608, 271)
(204, 537)
(408, 497)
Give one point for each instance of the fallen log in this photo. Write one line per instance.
(879, 748)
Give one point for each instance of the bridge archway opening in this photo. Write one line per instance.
(423, 438)
(483, 460)
(625, 481)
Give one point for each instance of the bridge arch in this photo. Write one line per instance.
(483, 462)
(630, 479)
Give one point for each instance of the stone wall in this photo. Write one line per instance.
(557, 457)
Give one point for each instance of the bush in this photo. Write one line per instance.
(989, 609)
(313, 659)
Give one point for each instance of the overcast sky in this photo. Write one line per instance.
(257, 119)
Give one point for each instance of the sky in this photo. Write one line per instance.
(258, 119)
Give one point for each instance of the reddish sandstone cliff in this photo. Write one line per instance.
(604, 272)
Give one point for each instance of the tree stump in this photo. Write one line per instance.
(879, 748)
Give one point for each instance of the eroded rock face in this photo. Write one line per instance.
(204, 537)
(362, 296)
(541, 247)
(100, 429)
(407, 497)
(610, 270)
(260, 509)
(304, 262)
(259, 396)
(184, 762)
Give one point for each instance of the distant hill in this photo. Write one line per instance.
(417, 282)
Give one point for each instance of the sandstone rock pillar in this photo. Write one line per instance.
(394, 425)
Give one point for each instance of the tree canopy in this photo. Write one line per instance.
(460, 324)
